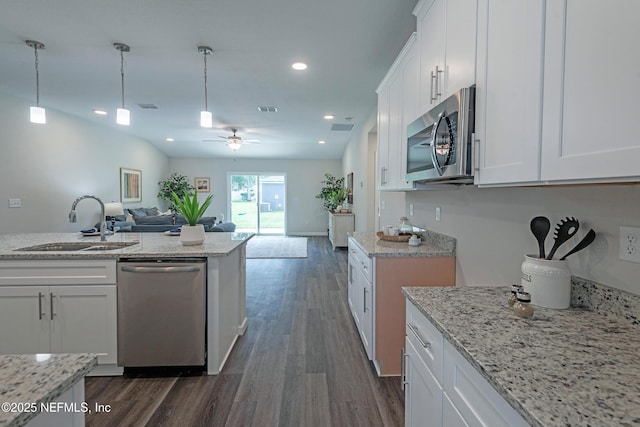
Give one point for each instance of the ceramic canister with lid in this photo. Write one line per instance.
(548, 282)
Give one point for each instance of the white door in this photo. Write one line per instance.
(592, 84)
(382, 157)
(423, 394)
(460, 60)
(24, 319)
(431, 39)
(395, 130)
(509, 90)
(84, 320)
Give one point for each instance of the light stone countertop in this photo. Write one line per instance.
(433, 245)
(151, 245)
(38, 379)
(561, 368)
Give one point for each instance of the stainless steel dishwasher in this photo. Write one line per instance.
(161, 312)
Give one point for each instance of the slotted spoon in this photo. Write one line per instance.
(565, 230)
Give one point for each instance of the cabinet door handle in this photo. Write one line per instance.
(51, 305)
(431, 97)
(437, 85)
(403, 369)
(40, 313)
(383, 176)
(476, 152)
(414, 329)
(365, 300)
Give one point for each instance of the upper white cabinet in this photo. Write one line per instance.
(556, 97)
(591, 86)
(397, 107)
(509, 90)
(447, 47)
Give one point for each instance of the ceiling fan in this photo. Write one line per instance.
(234, 141)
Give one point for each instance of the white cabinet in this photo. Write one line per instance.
(509, 89)
(457, 396)
(447, 48)
(397, 107)
(591, 88)
(58, 318)
(73, 398)
(360, 295)
(422, 392)
(340, 225)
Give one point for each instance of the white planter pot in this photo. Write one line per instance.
(548, 282)
(192, 235)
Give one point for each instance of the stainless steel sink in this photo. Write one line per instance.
(78, 246)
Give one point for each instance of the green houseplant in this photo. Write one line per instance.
(189, 207)
(176, 183)
(330, 186)
(338, 196)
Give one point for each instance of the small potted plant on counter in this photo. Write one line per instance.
(192, 211)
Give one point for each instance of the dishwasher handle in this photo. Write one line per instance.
(186, 269)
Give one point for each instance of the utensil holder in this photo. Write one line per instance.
(548, 282)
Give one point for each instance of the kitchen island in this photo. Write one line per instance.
(30, 386)
(36, 287)
(559, 368)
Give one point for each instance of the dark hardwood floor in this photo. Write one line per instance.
(300, 363)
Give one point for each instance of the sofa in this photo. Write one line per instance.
(151, 220)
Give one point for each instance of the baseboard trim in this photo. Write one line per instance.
(307, 233)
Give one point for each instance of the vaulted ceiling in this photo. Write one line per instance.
(347, 44)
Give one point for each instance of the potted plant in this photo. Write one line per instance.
(330, 185)
(338, 197)
(192, 211)
(176, 183)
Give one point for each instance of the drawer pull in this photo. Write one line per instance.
(403, 369)
(414, 329)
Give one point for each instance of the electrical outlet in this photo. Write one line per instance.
(410, 209)
(15, 203)
(629, 244)
(438, 213)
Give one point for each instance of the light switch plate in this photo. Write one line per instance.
(629, 244)
(15, 203)
(410, 209)
(438, 216)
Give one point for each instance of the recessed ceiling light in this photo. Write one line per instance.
(299, 66)
(100, 112)
(329, 117)
(169, 139)
(322, 142)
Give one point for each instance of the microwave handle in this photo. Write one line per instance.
(434, 155)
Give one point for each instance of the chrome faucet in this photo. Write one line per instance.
(73, 217)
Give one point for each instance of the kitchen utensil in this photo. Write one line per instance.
(586, 241)
(540, 227)
(565, 230)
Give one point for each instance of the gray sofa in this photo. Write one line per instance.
(150, 220)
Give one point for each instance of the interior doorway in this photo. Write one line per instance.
(258, 202)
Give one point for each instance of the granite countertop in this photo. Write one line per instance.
(433, 245)
(38, 379)
(561, 367)
(151, 245)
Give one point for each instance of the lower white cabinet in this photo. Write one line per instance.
(360, 296)
(340, 225)
(459, 395)
(73, 399)
(76, 318)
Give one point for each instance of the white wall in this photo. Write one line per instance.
(492, 228)
(305, 214)
(48, 166)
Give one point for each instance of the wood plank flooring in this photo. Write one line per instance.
(300, 363)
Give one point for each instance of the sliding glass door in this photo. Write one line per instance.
(258, 203)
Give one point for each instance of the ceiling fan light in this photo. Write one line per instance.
(123, 117)
(38, 115)
(206, 119)
(234, 145)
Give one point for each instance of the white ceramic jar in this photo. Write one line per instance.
(548, 282)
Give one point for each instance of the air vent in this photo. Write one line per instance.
(265, 109)
(341, 127)
(148, 106)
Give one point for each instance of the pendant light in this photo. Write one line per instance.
(38, 114)
(122, 114)
(206, 118)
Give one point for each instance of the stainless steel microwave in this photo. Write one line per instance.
(439, 144)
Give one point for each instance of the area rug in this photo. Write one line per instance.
(277, 247)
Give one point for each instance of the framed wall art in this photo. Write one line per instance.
(130, 185)
(203, 184)
(350, 188)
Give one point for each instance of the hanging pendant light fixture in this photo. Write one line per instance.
(38, 114)
(123, 116)
(206, 118)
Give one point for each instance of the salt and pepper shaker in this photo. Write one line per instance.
(514, 290)
(522, 306)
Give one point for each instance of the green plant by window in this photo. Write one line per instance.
(176, 183)
(189, 207)
(331, 185)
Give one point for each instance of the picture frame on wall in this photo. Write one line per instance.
(350, 188)
(130, 185)
(202, 184)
